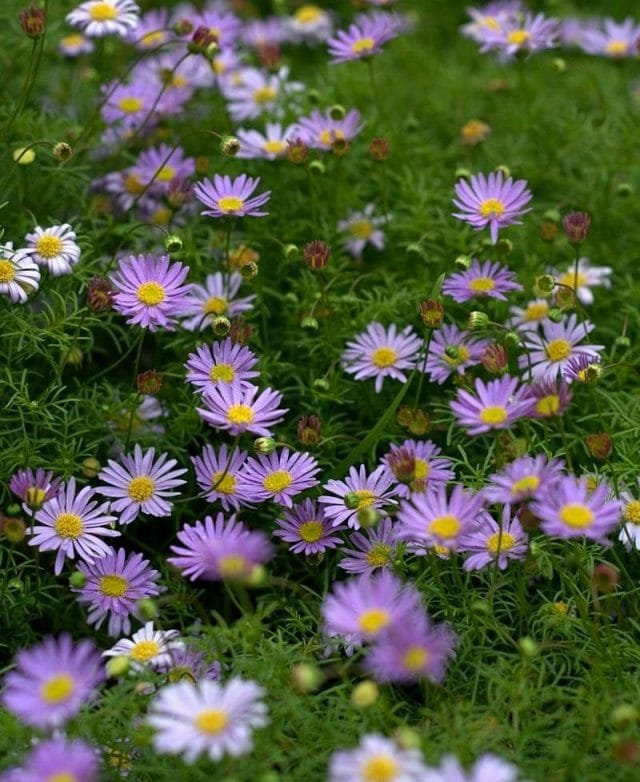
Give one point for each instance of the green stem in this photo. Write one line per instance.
(26, 88)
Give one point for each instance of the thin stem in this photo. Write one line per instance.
(136, 369)
(24, 93)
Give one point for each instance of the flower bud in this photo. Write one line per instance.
(555, 314)
(367, 517)
(553, 215)
(230, 146)
(605, 578)
(257, 577)
(264, 445)
(512, 340)
(173, 244)
(351, 500)
(317, 167)
(528, 647)
(149, 382)
(313, 95)
(182, 27)
(74, 356)
(431, 313)
(62, 151)
(624, 189)
(77, 579)
(622, 342)
(473, 132)
(565, 298)
(576, 226)
(544, 285)
(477, 320)
(24, 155)
(626, 751)
(407, 737)
(117, 666)
(13, 528)
(504, 246)
(297, 151)
(559, 64)
(624, 715)
(462, 262)
(308, 430)
(599, 445)
(321, 384)
(379, 149)
(249, 271)
(365, 694)
(506, 171)
(200, 40)
(221, 326)
(91, 467)
(340, 146)
(291, 251)
(337, 112)
(100, 294)
(548, 230)
(148, 609)
(316, 254)
(33, 21)
(306, 678)
(494, 359)
(309, 323)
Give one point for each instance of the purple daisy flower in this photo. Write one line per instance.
(377, 758)
(528, 318)
(216, 297)
(114, 586)
(190, 665)
(411, 652)
(416, 467)
(490, 18)
(164, 165)
(379, 352)
(320, 131)
(217, 474)
(364, 607)
(307, 528)
(374, 548)
(52, 681)
(19, 273)
(521, 33)
(129, 105)
(363, 39)
(221, 362)
(258, 33)
(571, 510)
(251, 92)
(153, 29)
(74, 45)
(73, 525)
(611, 39)
(230, 198)
(60, 760)
(140, 484)
(524, 479)
(357, 492)
(238, 409)
(548, 398)
(488, 542)
(488, 768)
(491, 201)
(268, 146)
(220, 549)
(34, 488)
(588, 277)
(150, 291)
(309, 23)
(489, 279)
(279, 476)
(495, 405)
(223, 25)
(452, 350)
(431, 519)
(550, 351)
(580, 369)
(363, 228)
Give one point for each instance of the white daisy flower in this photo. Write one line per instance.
(54, 248)
(97, 18)
(588, 277)
(19, 275)
(148, 647)
(376, 758)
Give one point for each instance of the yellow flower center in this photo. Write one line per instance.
(310, 531)
(230, 204)
(576, 515)
(161, 216)
(165, 174)
(384, 357)
(277, 481)
(491, 208)
(216, 306)
(307, 14)
(493, 415)
(500, 542)
(225, 486)
(482, 284)
(560, 608)
(133, 185)
(57, 688)
(441, 551)
(361, 229)
(420, 470)
(380, 768)
(373, 620)
(274, 147)
(548, 405)
(151, 293)
(415, 659)
(224, 372)
(569, 278)
(518, 37)
(75, 39)
(7, 270)
(130, 105)
(113, 585)
(327, 137)
(35, 496)
(365, 497)
(62, 776)
(218, 66)
(233, 566)
(526, 485)
(103, 12)
(617, 48)
(558, 349)
(537, 310)
(631, 512)
(153, 39)
(141, 488)
(240, 414)
(68, 525)
(212, 721)
(363, 45)
(463, 355)
(48, 246)
(265, 94)
(144, 651)
(379, 555)
(445, 527)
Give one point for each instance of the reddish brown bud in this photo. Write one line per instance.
(565, 298)
(605, 578)
(149, 382)
(340, 146)
(316, 254)
(494, 359)
(182, 27)
(599, 445)
(548, 230)
(240, 331)
(297, 151)
(431, 313)
(416, 421)
(308, 430)
(33, 21)
(379, 149)
(201, 40)
(100, 294)
(270, 55)
(576, 226)
(402, 464)
(626, 751)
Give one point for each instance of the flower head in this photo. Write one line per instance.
(231, 198)
(376, 759)
(489, 279)
(452, 351)
(34, 488)
(489, 541)
(521, 33)
(548, 398)
(307, 528)
(270, 145)
(529, 318)
(523, 479)
(611, 39)
(320, 131)
(363, 228)
(279, 476)
(97, 18)
(588, 277)
(215, 298)
(417, 466)
(362, 39)
(148, 647)
(630, 531)
(221, 362)
(357, 492)
(59, 760)
(217, 474)
(238, 408)
(495, 405)
(374, 548)
(54, 247)
(19, 274)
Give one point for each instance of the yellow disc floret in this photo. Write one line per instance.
(68, 525)
(151, 293)
(373, 620)
(277, 481)
(384, 357)
(212, 721)
(445, 526)
(141, 488)
(144, 651)
(491, 208)
(48, 246)
(58, 688)
(577, 516)
(113, 585)
(493, 415)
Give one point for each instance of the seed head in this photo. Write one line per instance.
(431, 313)
(379, 149)
(149, 382)
(316, 254)
(230, 146)
(308, 430)
(33, 21)
(576, 226)
(100, 294)
(62, 151)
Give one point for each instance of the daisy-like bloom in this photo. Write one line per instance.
(612, 39)
(357, 492)
(206, 717)
(489, 279)
(320, 131)
(524, 479)
(378, 352)
(491, 201)
(75, 44)
(153, 29)
(488, 542)
(148, 647)
(417, 467)
(150, 291)
(97, 18)
(364, 607)
(268, 146)
(230, 198)
(551, 351)
(376, 759)
(374, 548)
(140, 483)
(164, 166)
(217, 476)
(279, 476)
(114, 585)
(52, 681)
(59, 760)
(186, 663)
(411, 652)
(219, 363)
(309, 23)
(129, 105)
(582, 369)
(260, 33)
(495, 405)
(630, 531)
(452, 351)
(251, 92)
(528, 318)
(216, 297)
(572, 510)
(548, 398)
(220, 549)
(488, 768)
(236, 409)
(307, 528)
(19, 274)
(220, 23)
(363, 228)
(73, 525)
(490, 17)
(431, 519)
(521, 33)
(54, 247)
(588, 277)
(34, 488)
(363, 39)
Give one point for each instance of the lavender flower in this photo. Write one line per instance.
(524, 479)
(57, 760)
(97, 18)
(376, 758)
(230, 198)
(452, 351)
(216, 297)
(34, 488)
(495, 405)
(307, 528)
(611, 39)
(363, 39)
(490, 542)
(374, 548)
(417, 467)
(363, 228)
(320, 131)
(548, 398)
(358, 492)
(149, 647)
(529, 318)
(278, 476)
(268, 146)
(489, 279)
(219, 363)
(241, 409)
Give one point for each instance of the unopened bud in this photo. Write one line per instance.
(306, 678)
(316, 254)
(62, 151)
(624, 189)
(257, 577)
(559, 64)
(13, 528)
(148, 609)
(504, 246)
(173, 244)
(91, 467)
(576, 226)
(506, 171)
(624, 715)
(565, 298)
(321, 384)
(351, 500)
(622, 342)
(477, 320)
(182, 27)
(337, 112)
(512, 339)
(118, 666)
(555, 314)
(528, 647)
(462, 262)
(249, 271)
(308, 430)
(264, 445)
(494, 359)
(221, 326)
(599, 445)
(23, 156)
(33, 21)
(407, 737)
(100, 294)
(367, 517)
(74, 356)
(365, 694)
(200, 40)
(291, 251)
(431, 313)
(462, 173)
(544, 285)
(149, 382)
(309, 323)
(317, 167)
(340, 146)
(230, 146)
(420, 423)
(605, 578)
(77, 579)
(379, 149)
